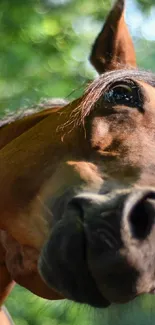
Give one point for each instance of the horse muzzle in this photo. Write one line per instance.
(101, 251)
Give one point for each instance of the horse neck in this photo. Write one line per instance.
(32, 156)
(13, 129)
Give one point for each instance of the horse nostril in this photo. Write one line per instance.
(141, 218)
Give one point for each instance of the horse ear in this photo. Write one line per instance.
(113, 48)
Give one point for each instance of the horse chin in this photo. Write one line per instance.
(63, 265)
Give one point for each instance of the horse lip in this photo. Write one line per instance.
(45, 275)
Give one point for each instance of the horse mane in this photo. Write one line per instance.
(10, 116)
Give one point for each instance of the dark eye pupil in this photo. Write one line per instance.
(125, 94)
(119, 94)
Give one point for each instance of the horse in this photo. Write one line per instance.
(98, 143)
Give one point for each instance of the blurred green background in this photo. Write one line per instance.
(44, 46)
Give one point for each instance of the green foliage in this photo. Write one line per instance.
(45, 46)
(146, 5)
(43, 53)
(43, 49)
(28, 309)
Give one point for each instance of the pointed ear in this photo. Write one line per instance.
(113, 48)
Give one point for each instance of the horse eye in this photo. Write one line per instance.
(127, 93)
(120, 94)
